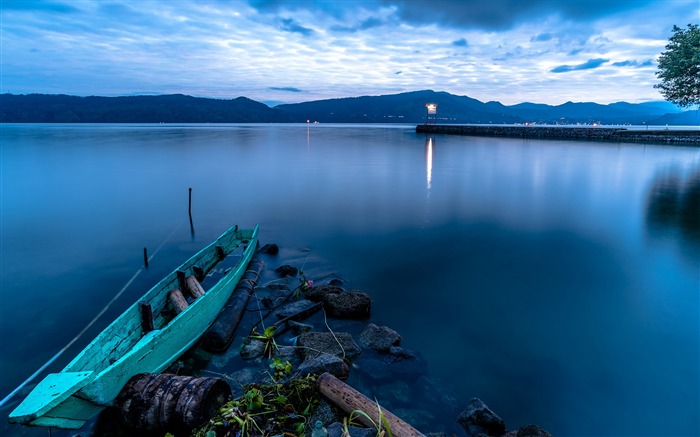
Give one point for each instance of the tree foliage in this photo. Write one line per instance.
(679, 67)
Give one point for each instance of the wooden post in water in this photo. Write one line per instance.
(189, 211)
(145, 256)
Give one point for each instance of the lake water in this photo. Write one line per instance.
(557, 281)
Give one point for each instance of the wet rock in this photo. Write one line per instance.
(477, 419)
(337, 282)
(293, 308)
(396, 391)
(379, 338)
(298, 328)
(336, 430)
(325, 363)
(532, 431)
(270, 249)
(286, 270)
(243, 377)
(312, 344)
(419, 419)
(323, 412)
(317, 293)
(374, 369)
(348, 305)
(513, 433)
(254, 348)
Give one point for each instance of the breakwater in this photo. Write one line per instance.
(618, 135)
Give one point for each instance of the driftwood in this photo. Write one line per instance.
(220, 334)
(348, 399)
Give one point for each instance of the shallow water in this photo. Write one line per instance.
(557, 281)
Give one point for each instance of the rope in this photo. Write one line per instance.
(88, 326)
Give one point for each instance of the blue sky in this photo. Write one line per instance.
(512, 51)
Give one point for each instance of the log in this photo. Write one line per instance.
(159, 403)
(177, 300)
(194, 288)
(348, 399)
(220, 334)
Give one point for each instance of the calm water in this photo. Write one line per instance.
(557, 281)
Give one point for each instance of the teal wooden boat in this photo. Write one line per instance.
(135, 343)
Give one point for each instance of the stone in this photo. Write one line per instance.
(317, 293)
(419, 419)
(336, 430)
(532, 431)
(398, 391)
(270, 249)
(254, 348)
(323, 412)
(325, 363)
(312, 344)
(298, 328)
(286, 270)
(293, 308)
(348, 305)
(477, 419)
(379, 338)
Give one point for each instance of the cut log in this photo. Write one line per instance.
(348, 399)
(194, 288)
(178, 301)
(151, 403)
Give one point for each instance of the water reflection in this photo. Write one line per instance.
(429, 141)
(673, 210)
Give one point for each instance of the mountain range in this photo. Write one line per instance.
(406, 107)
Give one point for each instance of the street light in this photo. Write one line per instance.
(430, 109)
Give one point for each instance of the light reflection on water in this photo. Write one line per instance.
(556, 280)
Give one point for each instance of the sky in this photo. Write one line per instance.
(274, 51)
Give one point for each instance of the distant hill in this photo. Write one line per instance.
(174, 108)
(396, 108)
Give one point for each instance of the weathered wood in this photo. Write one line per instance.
(170, 403)
(146, 317)
(178, 301)
(194, 288)
(298, 316)
(348, 399)
(221, 333)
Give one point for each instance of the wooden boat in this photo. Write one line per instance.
(147, 337)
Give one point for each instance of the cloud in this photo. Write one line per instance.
(460, 42)
(367, 24)
(588, 65)
(503, 14)
(542, 37)
(289, 25)
(285, 88)
(634, 64)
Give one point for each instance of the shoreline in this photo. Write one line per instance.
(617, 135)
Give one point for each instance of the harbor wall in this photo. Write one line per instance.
(619, 135)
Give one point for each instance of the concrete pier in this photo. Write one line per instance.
(617, 135)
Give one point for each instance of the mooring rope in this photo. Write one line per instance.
(88, 326)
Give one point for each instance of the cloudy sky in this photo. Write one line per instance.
(512, 51)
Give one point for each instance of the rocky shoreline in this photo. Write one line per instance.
(322, 327)
(606, 134)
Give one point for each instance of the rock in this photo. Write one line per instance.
(379, 338)
(336, 430)
(375, 369)
(419, 419)
(477, 419)
(298, 328)
(325, 363)
(532, 431)
(254, 348)
(286, 270)
(398, 391)
(348, 305)
(323, 412)
(313, 344)
(337, 282)
(293, 308)
(317, 293)
(270, 249)
(513, 433)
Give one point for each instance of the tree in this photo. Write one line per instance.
(679, 67)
